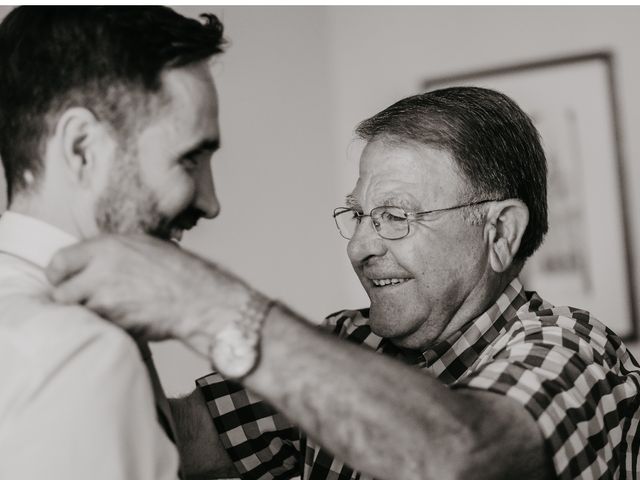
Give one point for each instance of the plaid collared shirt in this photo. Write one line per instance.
(574, 376)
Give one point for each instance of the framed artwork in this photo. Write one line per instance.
(585, 258)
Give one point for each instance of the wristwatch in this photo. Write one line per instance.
(235, 350)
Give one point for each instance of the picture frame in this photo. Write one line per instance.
(585, 260)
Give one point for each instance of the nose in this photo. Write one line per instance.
(205, 198)
(365, 243)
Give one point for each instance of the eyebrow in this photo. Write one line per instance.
(401, 201)
(351, 202)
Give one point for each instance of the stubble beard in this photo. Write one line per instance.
(127, 206)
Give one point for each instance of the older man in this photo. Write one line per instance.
(108, 118)
(453, 372)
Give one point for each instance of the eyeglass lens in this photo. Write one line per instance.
(390, 222)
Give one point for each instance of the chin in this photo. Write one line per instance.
(401, 327)
(161, 232)
(387, 322)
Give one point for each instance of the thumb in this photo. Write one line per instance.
(73, 290)
(68, 261)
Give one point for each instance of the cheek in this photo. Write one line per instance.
(418, 258)
(175, 193)
(351, 254)
(433, 262)
(448, 261)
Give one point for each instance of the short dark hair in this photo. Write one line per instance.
(493, 142)
(106, 59)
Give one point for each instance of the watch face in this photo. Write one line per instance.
(235, 348)
(235, 353)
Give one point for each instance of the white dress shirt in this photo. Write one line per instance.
(76, 401)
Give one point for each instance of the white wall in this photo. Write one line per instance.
(293, 84)
(274, 173)
(381, 54)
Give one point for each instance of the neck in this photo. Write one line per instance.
(479, 300)
(54, 210)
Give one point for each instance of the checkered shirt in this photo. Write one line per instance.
(572, 374)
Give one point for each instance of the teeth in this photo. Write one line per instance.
(388, 281)
(176, 234)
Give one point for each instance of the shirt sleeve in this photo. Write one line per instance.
(83, 408)
(261, 442)
(582, 403)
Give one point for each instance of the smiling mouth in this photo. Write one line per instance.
(385, 282)
(175, 232)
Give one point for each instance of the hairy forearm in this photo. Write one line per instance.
(348, 400)
(202, 455)
(379, 416)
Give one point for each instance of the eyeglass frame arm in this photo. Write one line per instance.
(410, 214)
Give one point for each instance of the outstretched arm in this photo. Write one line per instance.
(376, 414)
(387, 419)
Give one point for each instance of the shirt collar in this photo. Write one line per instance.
(31, 239)
(451, 357)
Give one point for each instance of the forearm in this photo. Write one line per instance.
(379, 416)
(201, 452)
(346, 398)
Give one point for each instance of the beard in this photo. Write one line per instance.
(128, 206)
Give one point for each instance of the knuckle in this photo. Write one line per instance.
(56, 267)
(57, 262)
(97, 303)
(60, 295)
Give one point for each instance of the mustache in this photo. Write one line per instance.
(185, 220)
(188, 218)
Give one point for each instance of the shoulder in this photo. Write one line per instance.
(45, 326)
(36, 325)
(53, 343)
(81, 395)
(575, 377)
(568, 331)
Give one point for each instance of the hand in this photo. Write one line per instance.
(147, 286)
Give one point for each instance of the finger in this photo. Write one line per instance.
(76, 289)
(69, 261)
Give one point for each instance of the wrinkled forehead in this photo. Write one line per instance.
(406, 174)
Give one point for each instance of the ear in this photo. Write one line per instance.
(79, 134)
(505, 226)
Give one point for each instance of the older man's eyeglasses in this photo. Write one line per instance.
(391, 223)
